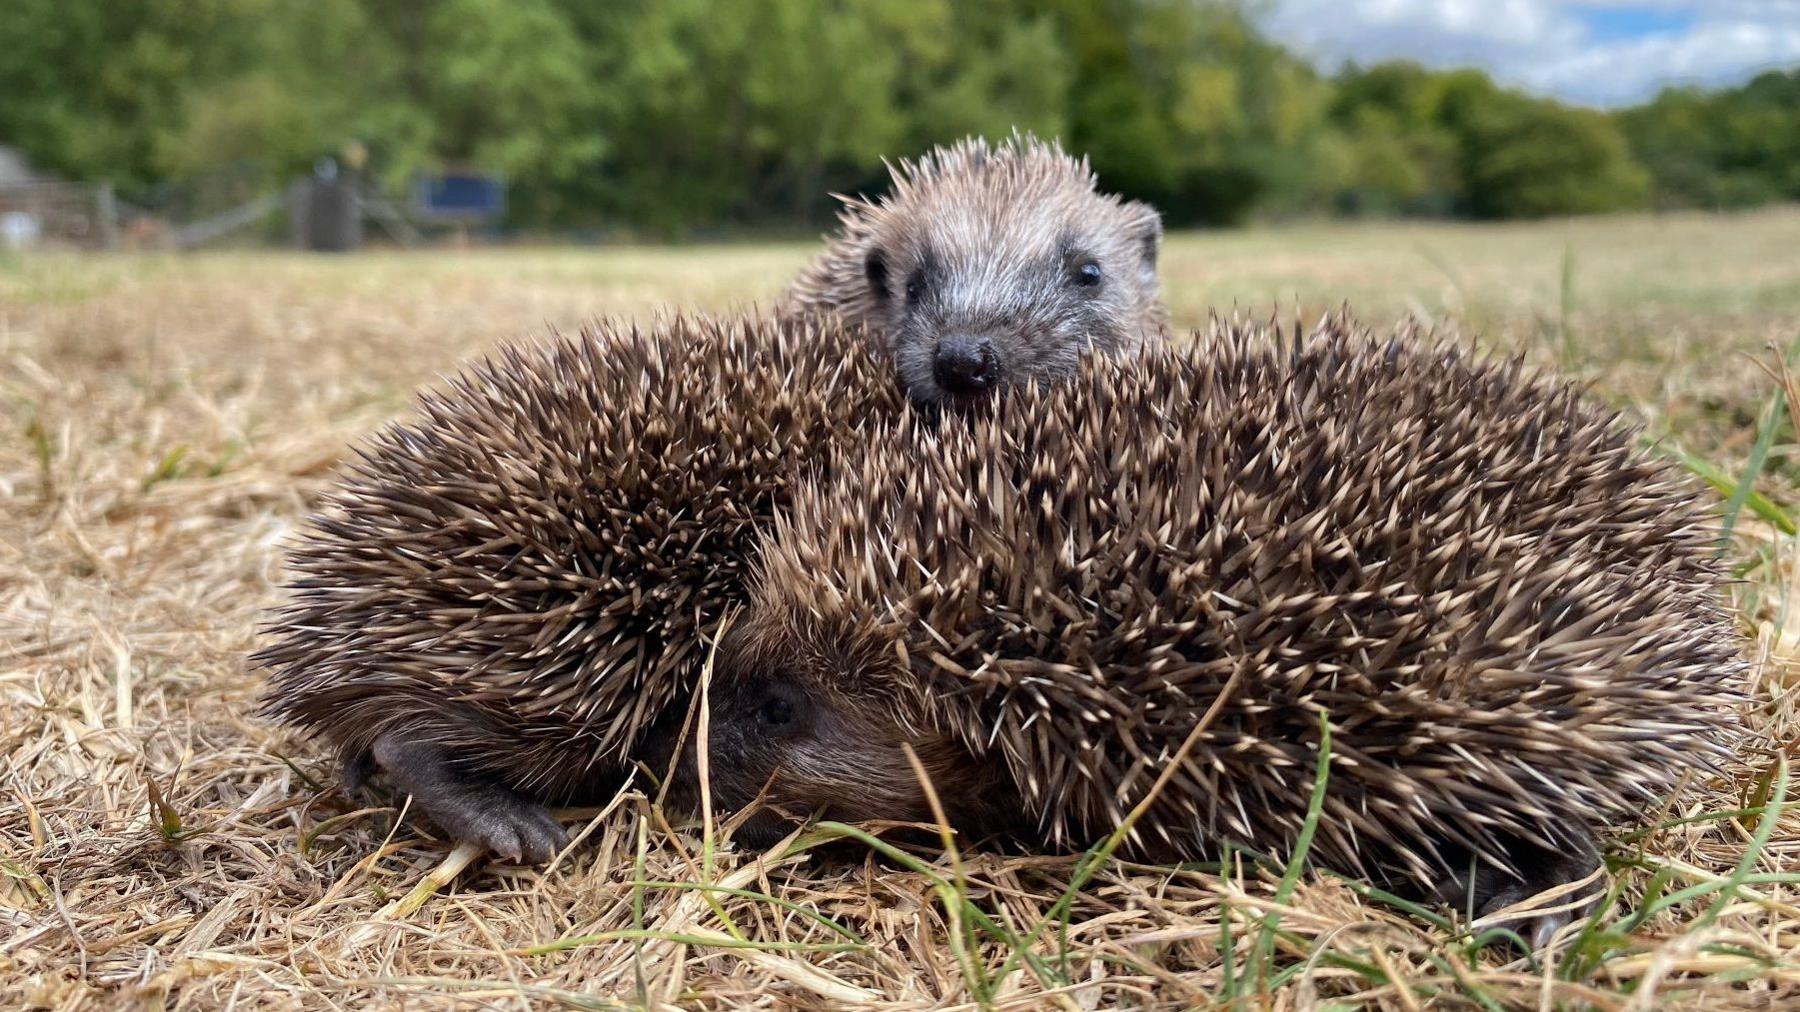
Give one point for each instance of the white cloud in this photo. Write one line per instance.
(1732, 8)
(1711, 52)
(1548, 46)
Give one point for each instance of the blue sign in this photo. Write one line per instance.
(459, 197)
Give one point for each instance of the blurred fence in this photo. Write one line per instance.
(316, 213)
(58, 214)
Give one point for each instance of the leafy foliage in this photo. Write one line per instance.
(672, 115)
(1731, 148)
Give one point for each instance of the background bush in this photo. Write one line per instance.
(672, 116)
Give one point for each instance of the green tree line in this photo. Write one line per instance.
(676, 115)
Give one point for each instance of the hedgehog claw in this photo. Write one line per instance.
(1545, 926)
(505, 824)
(1538, 923)
(1561, 882)
(471, 810)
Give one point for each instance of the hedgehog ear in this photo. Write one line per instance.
(875, 269)
(1145, 226)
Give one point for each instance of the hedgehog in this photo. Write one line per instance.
(502, 596)
(988, 264)
(1509, 617)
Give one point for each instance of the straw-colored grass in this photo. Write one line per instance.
(165, 421)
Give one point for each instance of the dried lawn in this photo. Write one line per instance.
(165, 421)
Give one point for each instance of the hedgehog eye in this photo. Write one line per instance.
(1087, 275)
(915, 286)
(876, 270)
(776, 712)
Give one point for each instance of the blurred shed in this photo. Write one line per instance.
(39, 209)
(15, 169)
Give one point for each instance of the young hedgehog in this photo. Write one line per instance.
(990, 264)
(502, 595)
(1509, 616)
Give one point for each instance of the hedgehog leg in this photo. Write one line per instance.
(468, 808)
(1535, 869)
(356, 766)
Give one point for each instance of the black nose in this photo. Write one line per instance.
(965, 365)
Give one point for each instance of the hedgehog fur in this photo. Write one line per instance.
(1510, 615)
(502, 594)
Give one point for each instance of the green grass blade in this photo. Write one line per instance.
(1759, 456)
(1290, 878)
(1757, 503)
(1759, 842)
(1019, 948)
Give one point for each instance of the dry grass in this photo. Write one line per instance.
(164, 422)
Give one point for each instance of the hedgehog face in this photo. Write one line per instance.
(800, 733)
(984, 287)
(989, 264)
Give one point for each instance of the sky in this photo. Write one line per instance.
(1598, 52)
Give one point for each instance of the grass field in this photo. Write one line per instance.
(165, 421)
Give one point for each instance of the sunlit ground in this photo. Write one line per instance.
(164, 421)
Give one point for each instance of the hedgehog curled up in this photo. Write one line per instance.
(1509, 616)
(501, 596)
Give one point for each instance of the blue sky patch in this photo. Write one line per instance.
(1610, 23)
(1595, 52)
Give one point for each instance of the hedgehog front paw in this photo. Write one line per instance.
(501, 821)
(1563, 886)
(469, 809)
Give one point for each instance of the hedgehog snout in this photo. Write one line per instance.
(747, 739)
(796, 750)
(966, 364)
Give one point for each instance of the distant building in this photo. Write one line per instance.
(14, 169)
(36, 208)
(19, 227)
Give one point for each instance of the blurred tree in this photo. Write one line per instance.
(1730, 148)
(673, 115)
(1419, 141)
(981, 69)
(99, 91)
(1525, 158)
(1399, 153)
(500, 85)
(715, 97)
(1183, 103)
(710, 106)
(288, 104)
(506, 86)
